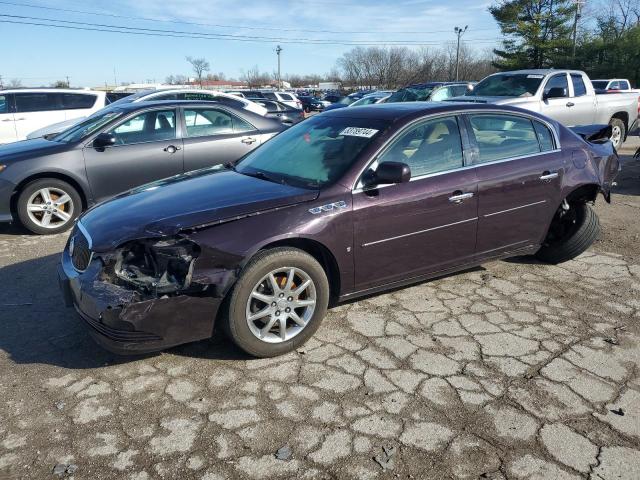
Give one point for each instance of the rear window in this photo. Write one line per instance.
(37, 102)
(578, 85)
(72, 101)
(503, 136)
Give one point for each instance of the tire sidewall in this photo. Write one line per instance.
(236, 323)
(29, 189)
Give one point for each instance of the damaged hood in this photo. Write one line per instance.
(186, 201)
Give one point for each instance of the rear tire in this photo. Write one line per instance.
(571, 236)
(618, 133)
(48, 206)
(253, 294)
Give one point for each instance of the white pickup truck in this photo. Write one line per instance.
(564, 95)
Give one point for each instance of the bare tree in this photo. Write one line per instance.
(14, 83)
(199, 65)
(255, 78)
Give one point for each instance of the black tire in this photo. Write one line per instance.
(234, 320)
(73, 208)
(617, 123)
(581, 229)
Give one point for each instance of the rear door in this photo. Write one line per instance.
(519, 171)
(582, 106)
(426, 225)
(7, 122)
(147, 149)
(35, 110)
(213, 136)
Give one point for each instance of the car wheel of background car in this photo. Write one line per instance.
(572, 231)
(48, 206)
(278, 302)
(617, 132)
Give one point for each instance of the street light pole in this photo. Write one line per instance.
(278, 50)
(579, 4)
(459, 32)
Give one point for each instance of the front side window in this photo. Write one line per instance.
(430, 147)
(4, 104)
(503, 136)
(37, 102)
(80, 130)
(557, 81)
(578, 85)
(72, 101)
(151, 126)
(202, 122)
(313, 153)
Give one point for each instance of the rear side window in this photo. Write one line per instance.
(203, 122)
(72, 101)
(557, 81)
(578, 85)
(4, 104)
(545, 138)
(624, 85)
(231, 102)
(286, 97)
(503, 136)
(270, 95)
(37, 102)
(167, 96)
(430, 147)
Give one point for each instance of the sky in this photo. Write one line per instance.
(234, 36)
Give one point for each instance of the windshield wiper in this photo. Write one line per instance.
(264, 176)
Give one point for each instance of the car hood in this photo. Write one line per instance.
(191, 200)
(26, 149)
(54, 128)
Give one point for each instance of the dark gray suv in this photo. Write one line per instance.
(47, 183)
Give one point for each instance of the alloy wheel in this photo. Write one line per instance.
(281, 304)
(616, 136)
(50, 207)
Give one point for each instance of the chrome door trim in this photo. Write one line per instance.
(419, 232)
(514, 208)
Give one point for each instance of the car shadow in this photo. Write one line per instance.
(13, 229)
(37, 328)
(628, 180)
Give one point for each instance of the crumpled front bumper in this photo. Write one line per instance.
(125, 324)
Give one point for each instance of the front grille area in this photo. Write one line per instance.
(80, 251)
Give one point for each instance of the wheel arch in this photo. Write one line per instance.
(624, 116)
(584, 193)
(58, 176)
(317, 250)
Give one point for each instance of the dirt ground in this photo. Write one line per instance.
(516, 370)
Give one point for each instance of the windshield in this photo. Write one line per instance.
(77, 132)
(346, 100)
(134, 96)
(600, 84)
(508, 85)
(313, 153)
(366, 101)
(411, 94)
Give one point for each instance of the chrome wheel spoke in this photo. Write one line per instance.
(261, 314)
(274, 284)
(296, 318)
(302, 287)
(46, 219)
(307, 302)
(45, 194)
(290, 277)
(283, 328)
(35, 207)
(63, 199)
(262, 297)
(62, 215)
(268, 326)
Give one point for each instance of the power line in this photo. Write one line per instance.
(26, 20)
(216, 25)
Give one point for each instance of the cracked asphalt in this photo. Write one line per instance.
(516, 370)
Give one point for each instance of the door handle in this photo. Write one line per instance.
(248, 140)
(570, 104)
(459, 197)
(171, 149)
(546, 176)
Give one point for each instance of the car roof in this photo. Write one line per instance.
(434, 84)
(131, 106)
(538, 71)
(397, 111)
(50, 90)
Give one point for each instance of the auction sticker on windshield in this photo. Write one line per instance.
(359, 132)
(535, 76)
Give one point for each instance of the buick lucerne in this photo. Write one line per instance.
(345, 204)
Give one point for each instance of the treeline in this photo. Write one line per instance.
(541, 33)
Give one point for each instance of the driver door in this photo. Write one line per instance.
(146, 149)
(425, 225)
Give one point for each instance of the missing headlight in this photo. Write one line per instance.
(157, 266)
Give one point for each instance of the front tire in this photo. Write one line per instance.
(618, 132)
(571, 233)
(278, 302)
(48, 206)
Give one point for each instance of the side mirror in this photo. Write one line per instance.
(389, 173)
(104, 140)
(556, 92)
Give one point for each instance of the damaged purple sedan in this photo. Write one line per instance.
(345, 204)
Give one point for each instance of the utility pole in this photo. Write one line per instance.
(459, 32)
(1, 85)
(115, 79)
(579, 4)
(278, 50)
(68, 84)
